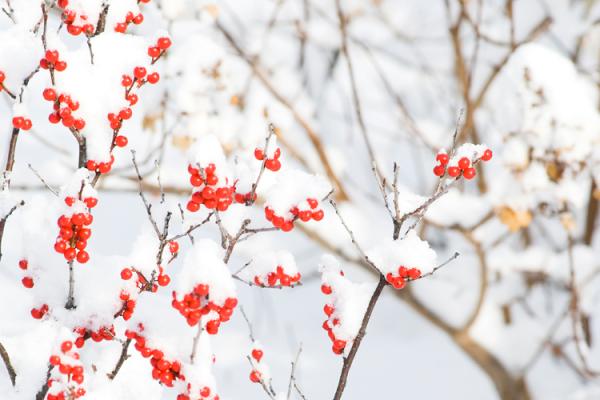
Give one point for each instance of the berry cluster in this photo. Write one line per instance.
(207, 191)
(139, 77)
(257, 354)
(196, 304)
(273, 163)
(74, 232)
(156, 51)
(76, 24)
(68, 384)
(121, 27)
(463, 167)
(304, 212)
(163, 370)
(204, 394)
(52, 61)
(100, 167)
(279, 275)
(20, 122)
(103, 333)
(127, 307)
(141, 282)
(38, 313)
(404, 275)
(338, 345)
(27, 281)
(63, 106)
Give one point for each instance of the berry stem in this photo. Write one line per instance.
(11, 370)
(357, 341)
(71, 299)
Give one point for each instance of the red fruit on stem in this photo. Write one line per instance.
(257, 354)
(126, 274)
(439, 170)
(464, 163)
(487, 155)
(27, 282)
(469, 173)
(453, 171)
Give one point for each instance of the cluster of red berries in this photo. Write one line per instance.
(255, 375)
(27, 281)
(243, 198)
(100, 167)
(303, 215)
(141, 281)
(279, 275)
(38, 313)
(103, 333)
(74, 232)
(69, 16)
(203, 393)
(208, 192)
(52, 61)
(63, 106)
(272, 164)
(404, 275)
(74, 374)
(128, 306)
(463, 167)
(163, 370)
(195, 304)
(22, 123)
(156, 51)
(338, 345)
(121, 27)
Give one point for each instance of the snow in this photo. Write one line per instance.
(410, 252)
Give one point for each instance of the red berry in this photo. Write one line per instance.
(173, 247)
(91, 165)
(139, 72)
(163, 43)
(326, 289)
(153, 52)
(318, 215)
(54, 360)
(413, 273)
(257, 354)
(153, 78)
(49, 94)
(442, 158)
(126, 274)
(52, 56)
(212, 327)
(70, 254)
(66, 346)
(439, 170)
(133, 99)
(18, 122)
(91, 202)
(469, 173)
(453, 171)
(74, 30)
(273, 164)
(464, 163)
(27, 282)
(121, 141)
(23, 264)
(126, 81)
(138, 19)
(83, 257)
(259, 154)
(255, 376)
(125, 113)
(487, 155)
(60, 66)
(339, 344)
(121, 27)
(164, 280)
(192, 206)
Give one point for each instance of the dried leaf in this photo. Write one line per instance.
(513, 219)
(182, 142)
(506, 314)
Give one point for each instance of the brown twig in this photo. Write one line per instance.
(7, 363)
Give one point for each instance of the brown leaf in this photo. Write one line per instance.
(514, 219)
